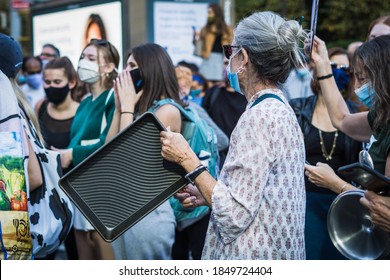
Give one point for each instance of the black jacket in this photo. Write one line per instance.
(304, 108)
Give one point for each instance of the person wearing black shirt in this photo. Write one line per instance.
(225, 106)
(326, 144)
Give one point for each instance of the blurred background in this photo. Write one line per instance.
(132, 22)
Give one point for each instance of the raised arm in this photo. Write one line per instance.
(354, 125)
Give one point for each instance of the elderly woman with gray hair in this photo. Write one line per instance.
(258, 203)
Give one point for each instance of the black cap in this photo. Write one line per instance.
(11, 56)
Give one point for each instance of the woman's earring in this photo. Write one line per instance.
(241, 69)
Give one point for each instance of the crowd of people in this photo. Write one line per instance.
(284, 124)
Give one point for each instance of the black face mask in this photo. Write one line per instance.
(57, 95)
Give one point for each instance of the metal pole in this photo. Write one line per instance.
(284, 8)
(15, 22)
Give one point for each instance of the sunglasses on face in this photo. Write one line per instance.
(228, 50)
(334, 65)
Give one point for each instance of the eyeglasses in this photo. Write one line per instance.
(228, 50)
(48, 54)
(334, 65)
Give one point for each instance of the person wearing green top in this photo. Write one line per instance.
(90, 125)
(380, 146)
(371, 64)
(98, 69)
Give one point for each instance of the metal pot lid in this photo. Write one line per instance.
(351, 230)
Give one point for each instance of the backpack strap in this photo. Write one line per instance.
(264, 96)
(158, 103)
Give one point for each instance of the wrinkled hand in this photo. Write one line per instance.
(190, 197)
(322, 175)
(66, 156)
(125, 96)
(379, 207)
(174, 147)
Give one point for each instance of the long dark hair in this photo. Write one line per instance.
(158, 74)
(374, 59)
(219, 20)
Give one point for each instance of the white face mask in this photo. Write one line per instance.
(88, 71)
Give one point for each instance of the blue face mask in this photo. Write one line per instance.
(302, 72)
(342, 78)
(21, 79)
(34, 80)
(195, 92)
(233, 76)
(365, 94)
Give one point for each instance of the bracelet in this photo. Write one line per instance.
(191, 176)
(127, 112)
(324, 77)
(343, 187)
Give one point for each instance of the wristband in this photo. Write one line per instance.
(191, 176)
(324, 77)
(127, 112)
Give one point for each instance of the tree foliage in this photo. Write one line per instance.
(339, 22)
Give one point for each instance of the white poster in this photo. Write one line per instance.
(173, 28)
(67, 30)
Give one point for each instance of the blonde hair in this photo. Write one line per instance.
(25, 105)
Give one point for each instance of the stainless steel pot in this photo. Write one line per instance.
(351, 230)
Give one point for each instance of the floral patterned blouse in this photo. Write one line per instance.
(259, 200)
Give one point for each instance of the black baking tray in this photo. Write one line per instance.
(124, 180)
(365, 176)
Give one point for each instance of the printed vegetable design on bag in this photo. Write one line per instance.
(13, 194)
(15, 228)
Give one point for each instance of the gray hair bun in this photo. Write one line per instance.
(274, 44)
(288, 35)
